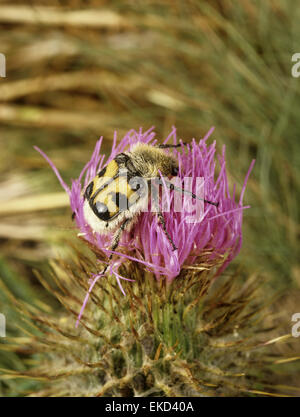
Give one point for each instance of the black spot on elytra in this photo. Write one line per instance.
(120, 201)
(102, 172)
(88, 190)
(101, 211)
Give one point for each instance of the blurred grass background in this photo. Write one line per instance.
(77, 70)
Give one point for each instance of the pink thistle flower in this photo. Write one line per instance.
(215, 240)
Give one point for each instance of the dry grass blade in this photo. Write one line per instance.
(34, 203)
(51, 16)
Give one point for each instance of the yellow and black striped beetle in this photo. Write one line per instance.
(116, 196)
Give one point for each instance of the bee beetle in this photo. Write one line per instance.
(115, 197)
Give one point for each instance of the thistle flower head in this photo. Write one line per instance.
(218, 234)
